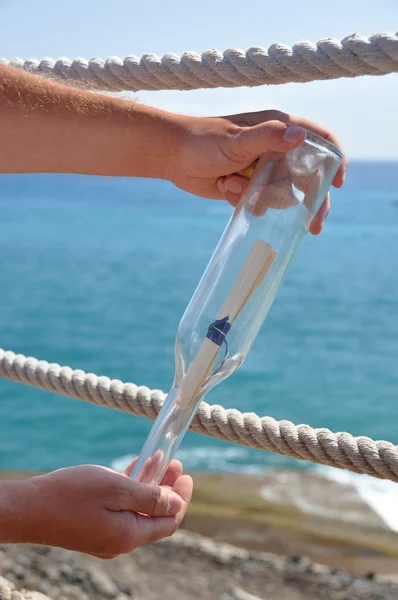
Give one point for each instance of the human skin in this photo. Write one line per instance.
(93, 509)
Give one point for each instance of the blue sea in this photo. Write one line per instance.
(95, 273)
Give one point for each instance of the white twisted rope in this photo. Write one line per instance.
(8, 591)
(358, 454)
(329, 58)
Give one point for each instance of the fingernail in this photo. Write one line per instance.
(233, 186)
(173, 504)
(293, 134)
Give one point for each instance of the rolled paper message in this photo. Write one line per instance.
(250, 277)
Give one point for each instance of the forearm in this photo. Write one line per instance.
(49, 127)
(15, 508)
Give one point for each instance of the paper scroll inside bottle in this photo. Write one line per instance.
(249, 278)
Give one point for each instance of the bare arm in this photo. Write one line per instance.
(49, 127)
(13, 508)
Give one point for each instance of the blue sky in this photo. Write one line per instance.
(363, 112)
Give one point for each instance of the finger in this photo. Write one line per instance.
(148, 471)
(183, 487)
(152, 529)
(139, 497)
(330, 137)
(272, 136)
(319, 220)
(278, 193)
(253, 119)
(130, 467)
(232, 198)
(144, 474)
(172, 474)
(327, 135)
(140, 476)
(236, 184)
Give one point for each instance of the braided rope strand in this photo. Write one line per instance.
(8, 592)
(342, 450)
(329, 58)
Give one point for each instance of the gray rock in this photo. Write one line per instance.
(72, 592)
(7, 565)
(319, 569)
(63, 557)
(46, 587)
(32, 583)
(222, 558)
(9, 576)
(43, 550)
(24, 561)
(86, 585)
(20, 572)
(66, 571)
(125, 588)
(103, 583)
(35, 596)
(78, 576)
(303, 563)
(51, 573)
(239, 594)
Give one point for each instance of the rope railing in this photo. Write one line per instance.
(8, 592)
(322, 446)
(329, 58)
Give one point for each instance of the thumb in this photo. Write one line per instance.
(273, 136)
(152, 500)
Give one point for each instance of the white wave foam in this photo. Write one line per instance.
(381, 495)
(121, 463)
(214, 458)
(207, 458)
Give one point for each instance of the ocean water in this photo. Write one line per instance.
(95, 273)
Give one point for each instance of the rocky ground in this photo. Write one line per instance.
(244, 538)
(186, 566)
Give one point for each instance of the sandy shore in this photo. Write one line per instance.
(275, 536)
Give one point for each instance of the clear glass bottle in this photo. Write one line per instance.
(238, 287)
